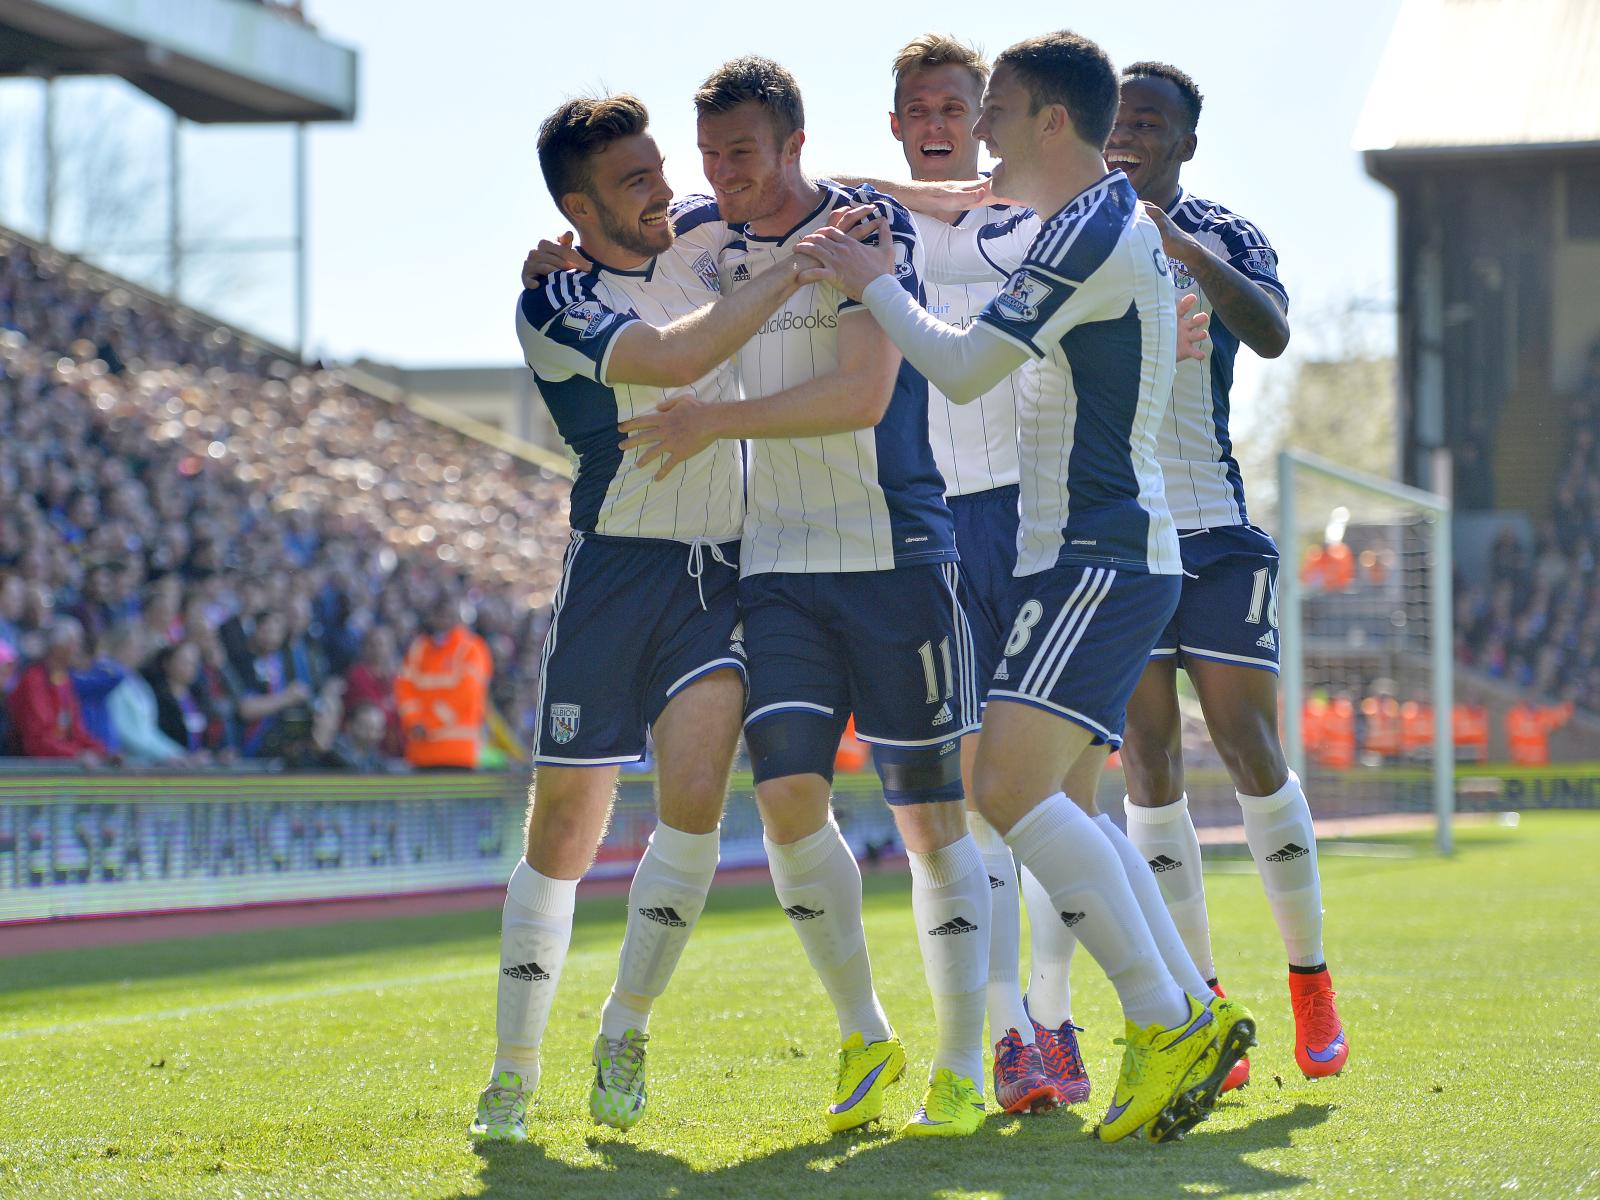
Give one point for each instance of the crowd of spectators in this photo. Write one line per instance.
(210, 553)
(1536, 620)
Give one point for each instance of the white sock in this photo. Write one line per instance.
(1165, 837)
(1148, 893)
(950, 900)
(819, 886)
(1090, 894)
(666, 899)
(1284, 845)
(1049, 957)
(1005, 933)
(535, 931)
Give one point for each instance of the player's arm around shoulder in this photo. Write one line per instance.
(689, 348)
(1257, 313)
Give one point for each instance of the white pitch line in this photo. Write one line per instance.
(309, 994)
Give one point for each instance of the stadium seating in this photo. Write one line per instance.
(142, 444)
(1535, 622)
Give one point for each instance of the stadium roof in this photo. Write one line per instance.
(207, 60)
(1485, 76)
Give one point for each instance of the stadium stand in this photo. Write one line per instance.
(159, 470)
(1535, 621)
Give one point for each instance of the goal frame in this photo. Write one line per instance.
(1294, 465)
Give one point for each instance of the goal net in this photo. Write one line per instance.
(1364, 608)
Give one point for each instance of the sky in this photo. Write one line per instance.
(422, 208)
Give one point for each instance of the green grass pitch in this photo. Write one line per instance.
(344, 1060)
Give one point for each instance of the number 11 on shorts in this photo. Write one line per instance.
(930, 674)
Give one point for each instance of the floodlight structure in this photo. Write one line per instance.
(206, 61)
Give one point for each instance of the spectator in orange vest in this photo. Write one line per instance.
(1339, 568)
(1313, 568)
(1313, 719)
(1380, 713)
(1339, 734)
(1416, 729)
(442, 690)
(1528, 729)
(1469, 725)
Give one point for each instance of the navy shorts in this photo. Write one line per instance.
(986, 538)
(1080, 641)
(632, 627)
(892, 647)
(1228, 612)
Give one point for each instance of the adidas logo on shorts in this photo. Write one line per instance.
(996, 882)
(959, 925)
(1003, 671)
(1069, 919)
(527, 972)
(664, 916)
(1268, 641)
(943, 717)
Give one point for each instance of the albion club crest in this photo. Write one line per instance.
(564, 722)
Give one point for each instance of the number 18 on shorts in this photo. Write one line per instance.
(1080, 641)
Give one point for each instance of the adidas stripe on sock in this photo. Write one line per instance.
(1050, 947)
(1142, 879)
(1089, 891)
(1004, 988)
(1166, 839)
(950, 901)
(535, 932)
(819, 887)
(665, 900)
(1284, 844)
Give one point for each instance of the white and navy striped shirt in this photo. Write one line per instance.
(568, 328)
(975, 445)
(867, 500)
(1204, 487)
(1094, 302)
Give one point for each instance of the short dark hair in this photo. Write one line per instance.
(1068, 69)
(1192, 99)
(580, 128)
(753, 79)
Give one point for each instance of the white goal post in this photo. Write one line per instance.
(1297, 468)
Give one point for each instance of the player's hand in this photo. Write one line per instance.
(856, 220)
(802, 271)
(677, 430)
(547, 258)
(972, 193)
(1194, 333)
(851, 265)
(1174, 241)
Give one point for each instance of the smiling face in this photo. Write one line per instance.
(1009, 131)
(935, 108)
(748, 166)
(1151, 139)
(627, 199)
